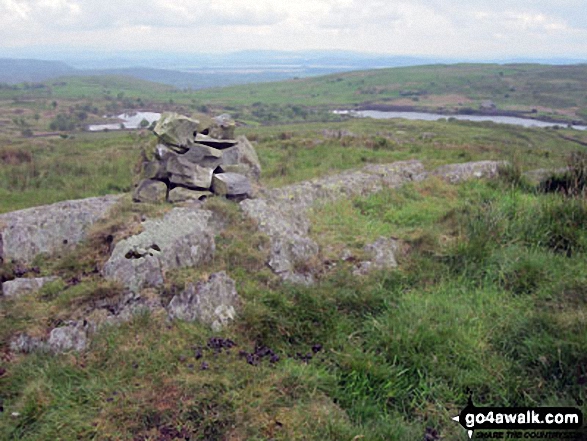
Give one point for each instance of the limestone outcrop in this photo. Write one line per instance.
(191, 157)
(51, 228)
(183, 237)
(282, 212)
(456, 173)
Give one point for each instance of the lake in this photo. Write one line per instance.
(130, 121)
(525, 122)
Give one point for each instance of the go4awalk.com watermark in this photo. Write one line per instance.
(537, 423)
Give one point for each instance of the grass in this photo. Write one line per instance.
(40, 171)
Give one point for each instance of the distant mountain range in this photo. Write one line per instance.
(197, 71)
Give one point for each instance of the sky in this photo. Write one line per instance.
(438, 28)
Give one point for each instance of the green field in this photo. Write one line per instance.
(490, 294)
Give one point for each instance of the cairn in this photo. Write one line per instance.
(193, 161)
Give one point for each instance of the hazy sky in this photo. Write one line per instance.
(459, 28)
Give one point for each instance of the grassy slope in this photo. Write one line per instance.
(526, 86)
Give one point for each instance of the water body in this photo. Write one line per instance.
(130, 121)
(422, 116)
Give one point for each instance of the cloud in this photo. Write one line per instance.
(108, 14)
(475, 28)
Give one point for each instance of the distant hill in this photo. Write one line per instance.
(15, 71)
(198, 71)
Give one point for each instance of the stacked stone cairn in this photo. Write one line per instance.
(193, 161)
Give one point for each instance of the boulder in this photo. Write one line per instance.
(72, 337)
(176, 130)
(213, 303)
(288, 229)
(150, 190)
(203, 155)
(184, 237)
(243, 153)
(231, 184)
(180, 194)
(383, 255)
(51, 228)
(223, 127)
(188, 174)
(19, 287)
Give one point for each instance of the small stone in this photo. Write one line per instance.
(180, 194)
(231, 184)
(150, 190)
(19, 287)
(67, 338)
(213, 302)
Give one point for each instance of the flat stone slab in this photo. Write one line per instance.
(50, 228)
(184, 237)
(19, 287)
(231, 184)
(180, 194)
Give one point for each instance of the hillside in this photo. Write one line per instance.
(382, 271)
(14, 71)
(550, 90)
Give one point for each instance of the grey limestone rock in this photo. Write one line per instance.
(214, 303)
(231, 184)
(72, 337)
(183, 237)
(383, 255)
(150, 191)
(456, 173)
(204, 156)
(176, 130)
(188, 174)
(243, 153)
(282, 212)
(49, 229)
(18, 287)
